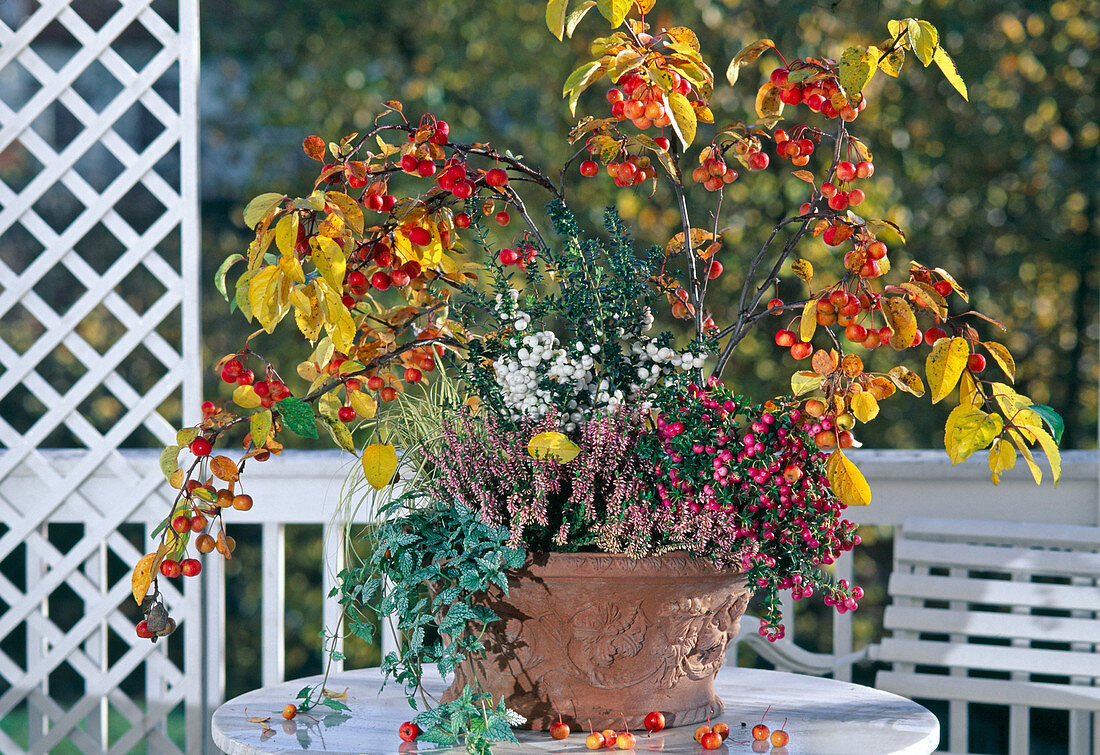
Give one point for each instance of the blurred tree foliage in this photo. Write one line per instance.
(1002, 190)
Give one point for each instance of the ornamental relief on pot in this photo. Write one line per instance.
(605, 642)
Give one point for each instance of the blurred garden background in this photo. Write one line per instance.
(1002, 189)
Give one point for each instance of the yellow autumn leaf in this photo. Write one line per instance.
(309, 317)
(1050, 448)
(353, 213)
(363, 404)
(244, 395)
(260, 426)
(945, 364)
(379, 463)
(260, 296)
(682, 116)
(330, 262)
(968, 391)
(804, 382)
(332, 227)
(807, 324)
(299, 299)
(864, 406)
(950, 72)
(969, 429)
(553, 446)
(1002, 357)
(142, 577)
(1002, 457)
(893, 62)
(769, 107)
(903, 323)
(341, 434)
(429, 255)
(907, 380)
(291, 269)
(847, 482)
(1036, 470)
(286, 235)
(804, 269)
(1015, 407)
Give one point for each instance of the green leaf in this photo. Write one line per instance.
(219, 277)
(241, 295)
(579, 76)
(747, 55)
(575, 17)
(923, 44)
(334, 704)
(1052, 419)
(614, 10)
(555, 17)
(857, 66)
(298, 417)
(185, 435)
(169, 460)
(950, 72)
(340, 433)
(258, 208)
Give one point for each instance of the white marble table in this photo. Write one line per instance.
(824, 716)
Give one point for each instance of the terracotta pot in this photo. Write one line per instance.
(596, 636)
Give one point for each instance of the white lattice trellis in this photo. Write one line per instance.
(83, 87)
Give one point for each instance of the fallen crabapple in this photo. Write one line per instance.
(654, 721)
(712, 740)
(559, 729)
(408, 731)
(625, 741)
(290, 711)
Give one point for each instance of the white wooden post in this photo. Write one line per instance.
(331, 612)
(273, 606)
(842, 622)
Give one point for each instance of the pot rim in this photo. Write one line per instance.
(674, 564)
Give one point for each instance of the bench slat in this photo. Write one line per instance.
(990, 624)
(992, 558)
(1033, 694)
(995, 592)
(991, 657)
(1076, 537)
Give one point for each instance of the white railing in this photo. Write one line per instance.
(304, 488)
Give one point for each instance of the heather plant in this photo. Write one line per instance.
(597, 500)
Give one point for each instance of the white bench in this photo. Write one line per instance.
(999, 613)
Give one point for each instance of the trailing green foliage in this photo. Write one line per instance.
(436, 559)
